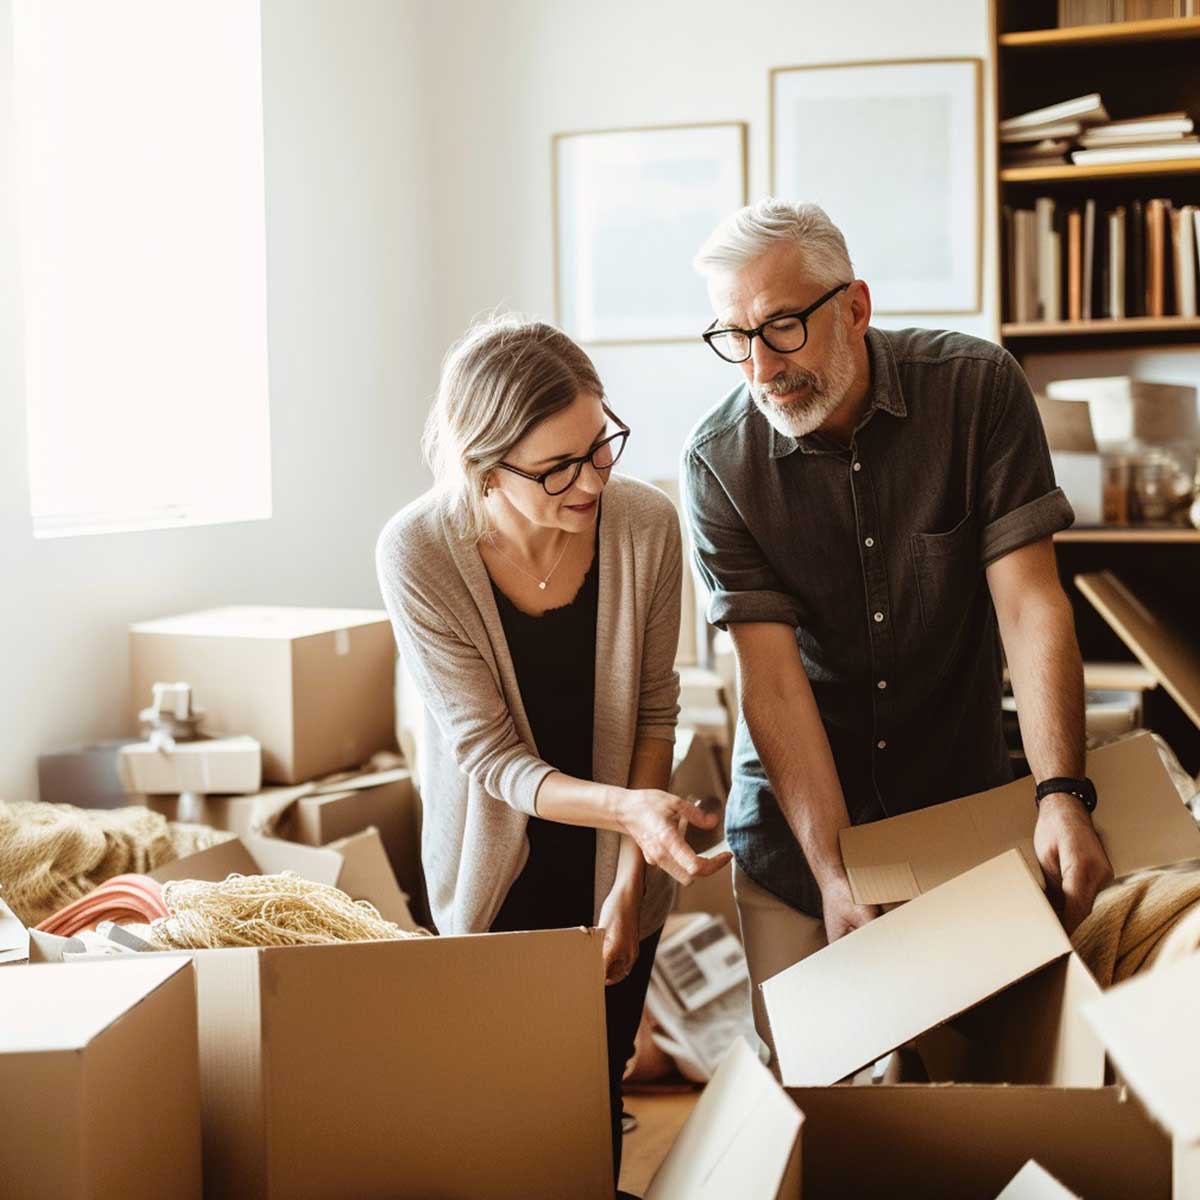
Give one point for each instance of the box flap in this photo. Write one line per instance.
(1139, 818)
(262, 621)
(49, 1007)
(214, 864)
(1034, 1182)
(1150, 1027)
(1160, 646)
(14, 937)
(738, 1140)
(367, 875)
(909, 970)
(358, 783)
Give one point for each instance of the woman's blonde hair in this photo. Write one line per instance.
(502, 377)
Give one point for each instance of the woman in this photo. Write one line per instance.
(535, 600)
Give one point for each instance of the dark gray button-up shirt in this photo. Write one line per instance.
(875, 555)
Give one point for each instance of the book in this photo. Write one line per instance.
(1087, 109)
(1183, 227)
(1074, 265)
(1088, 254)
(1196, 230)
(1116, 263)
(1154, 295)
(1024, 287)
(1120, 154)
(1091, 142)
(1050, 151)
(1156, 124)
(1047, 265)
(1100, 265)
(1135, 275)
(1035, 133)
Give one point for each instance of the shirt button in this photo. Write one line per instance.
(878, 618)
(881, 684)
(858, 466)
(881, 745)
(869, 543)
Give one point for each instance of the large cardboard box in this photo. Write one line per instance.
(313, 686)
(1151, 1026)
(99, 1081)
(1140, 820)
(207, 765)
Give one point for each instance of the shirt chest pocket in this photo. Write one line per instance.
(947, 571)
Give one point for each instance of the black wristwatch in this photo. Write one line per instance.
(1082, 789)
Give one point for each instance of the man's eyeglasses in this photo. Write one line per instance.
(603, 456)
(785, 334)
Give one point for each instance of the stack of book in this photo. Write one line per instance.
(1139, 139)
(1103, 12)
(1138, 259)
(1046, 135)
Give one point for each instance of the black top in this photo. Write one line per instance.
(554, 657)
(875, 555)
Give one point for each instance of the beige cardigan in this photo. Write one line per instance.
(479, 768)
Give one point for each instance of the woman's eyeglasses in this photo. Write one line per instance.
(603, 456)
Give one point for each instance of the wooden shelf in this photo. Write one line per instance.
(1068, 172)
(1113, 33)
(1100, 328)
(1130, 533)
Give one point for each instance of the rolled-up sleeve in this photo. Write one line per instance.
(741, 584)
(1018, 500)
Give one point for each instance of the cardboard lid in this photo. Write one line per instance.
(1160, 647)
(909, 970)
(1139, 818)
(262, 621)
(1034, 1182)
(740, 1139)
(1150, 1027)
(214, 864)
(51, 1007)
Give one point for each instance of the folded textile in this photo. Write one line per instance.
(122, 898)
(52, 854)
(1145, 919)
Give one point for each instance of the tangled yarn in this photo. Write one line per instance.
(265, 910)
(52, 854)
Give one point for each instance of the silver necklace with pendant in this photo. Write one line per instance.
(540, 582)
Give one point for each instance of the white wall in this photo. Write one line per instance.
(352, 365)
(407, 189)
(509, 75)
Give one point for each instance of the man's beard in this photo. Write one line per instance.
(823, 392)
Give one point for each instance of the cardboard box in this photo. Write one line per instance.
(1034, 1182)
(86, 776)
(99, 1081)
(313, 686)
(355, 864)
(742, 1139)
(1140, 820)
(1149, 1025)
(317, 814)
(208, 766)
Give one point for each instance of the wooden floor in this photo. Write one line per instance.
(660, 1118)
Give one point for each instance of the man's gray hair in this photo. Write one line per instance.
(758, 228)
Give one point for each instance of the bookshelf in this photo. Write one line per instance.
(1139, 68)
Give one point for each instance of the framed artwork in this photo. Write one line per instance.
(631, 208)
(892, 151)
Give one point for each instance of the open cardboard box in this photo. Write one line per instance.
(1149, 1025)
(1034, 1182)
(99, 1081)
(1140, 819)
(454, 1067)
(1024, 1077)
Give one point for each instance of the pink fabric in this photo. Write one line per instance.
(121, 898)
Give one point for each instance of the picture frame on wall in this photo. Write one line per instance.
(892, 151)
(631, 209)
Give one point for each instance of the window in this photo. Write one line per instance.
(143, 255)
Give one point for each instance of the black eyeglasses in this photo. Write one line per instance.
(603, 456)
(788, 332)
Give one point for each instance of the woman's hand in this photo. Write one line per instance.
(619, 919)
(655, 820)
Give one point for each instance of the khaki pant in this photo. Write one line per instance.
(775, 936)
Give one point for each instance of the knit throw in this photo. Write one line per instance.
(52, 854)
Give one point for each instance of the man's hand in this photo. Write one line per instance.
(1072, 858)
(619, 920)
(842, 914)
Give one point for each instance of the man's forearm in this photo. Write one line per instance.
(1047, 680)
(782, 716)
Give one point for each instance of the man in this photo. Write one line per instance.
(869, 508)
